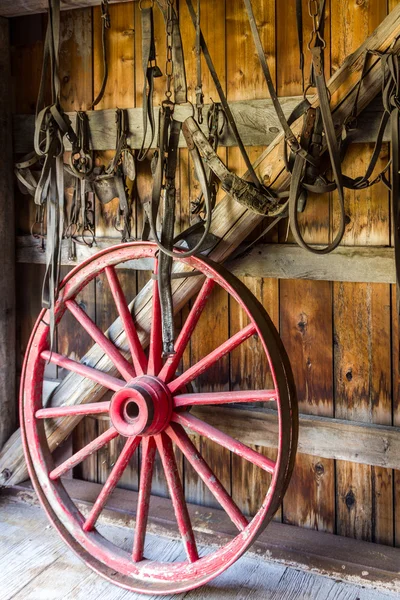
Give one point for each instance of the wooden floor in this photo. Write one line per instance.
(35, 564)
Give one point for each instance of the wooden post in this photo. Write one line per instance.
(8, 410)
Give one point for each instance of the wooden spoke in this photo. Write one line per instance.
(164, 446)
(97, 408)
(172, 363)
(182, 440)
(206, 362)
(107, 381)
(126, 369)
(91, 448)
(146, 473)
(155, 349)
(224, 440)
(113, 479)
(225, 397)
(138, 356)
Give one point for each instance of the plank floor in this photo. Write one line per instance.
(35, 564)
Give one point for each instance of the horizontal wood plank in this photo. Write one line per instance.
(366, 264)
(344, 559)
(256, 120)
(281, 261)
(19, 8)
(377, 445)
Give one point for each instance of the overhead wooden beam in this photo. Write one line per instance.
(8, 399)
(256, 120)
(232, 223)
(366, 264)
(19, 8)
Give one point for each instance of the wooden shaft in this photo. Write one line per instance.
(232, 223)
(8, 400)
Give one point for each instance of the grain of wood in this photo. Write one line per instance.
(295, 565)
(325, 437)
(8, 393)
(306, 315)
(256, 120)
(26, 37)
(364, 264)
(362, 321)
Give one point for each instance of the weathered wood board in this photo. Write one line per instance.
(284, 562)
(256, 121)
(14, 8)
(8, 412)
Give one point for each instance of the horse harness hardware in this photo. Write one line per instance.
(308, 157)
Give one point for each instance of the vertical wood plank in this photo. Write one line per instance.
(26, 37)
(306, 308)
(119, 92)
(76, 76)
(245, 80)
(306, 331)
(213, 327)
(362, 319)
(8, 396)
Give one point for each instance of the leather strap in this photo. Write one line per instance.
(224, 102)
(105, 26)
(150, 72)
(290, 138)
(334, 153)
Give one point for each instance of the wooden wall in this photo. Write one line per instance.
(339, 336)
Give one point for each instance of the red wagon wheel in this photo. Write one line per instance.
(150, 408)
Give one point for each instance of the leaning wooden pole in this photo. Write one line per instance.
(8, 399)
(232, 223)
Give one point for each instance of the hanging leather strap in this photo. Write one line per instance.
(224, 102)
(105, 26)
(150, 72)
(335, 159)
(199, 85)
(290, 138)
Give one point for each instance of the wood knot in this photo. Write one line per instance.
(319, 469)
(349, 375)
(5, 475)
(350, 499)
(302, 324)
(347, 220)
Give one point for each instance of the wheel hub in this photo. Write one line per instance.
(143, 407)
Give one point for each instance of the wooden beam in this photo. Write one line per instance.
(345, 559)
(232, 223)
(256, 120)
(376, 445)
(30, 251)
(20, 8)
(8, 398)
(366, 264)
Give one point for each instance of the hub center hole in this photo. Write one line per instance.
(131, 410)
